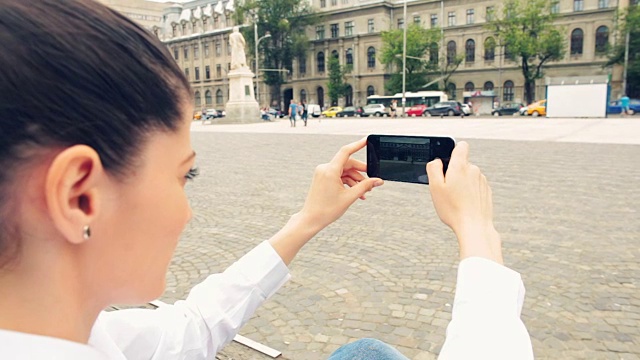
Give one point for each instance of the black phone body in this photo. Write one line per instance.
(404, 158)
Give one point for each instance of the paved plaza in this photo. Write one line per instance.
(566, 203)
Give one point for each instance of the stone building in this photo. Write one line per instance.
(145, 13)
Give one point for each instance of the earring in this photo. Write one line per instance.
(86, 232)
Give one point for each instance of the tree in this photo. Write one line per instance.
(337, 85)
(629, 22)
(526, 29)
(419, 62)
(286, 21)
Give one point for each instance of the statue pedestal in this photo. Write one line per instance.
(242, 107)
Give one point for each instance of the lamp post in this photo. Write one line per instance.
(404, 56)
(257, 40)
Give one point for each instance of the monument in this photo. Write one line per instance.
(242, 106)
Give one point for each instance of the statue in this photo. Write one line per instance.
(238, 58)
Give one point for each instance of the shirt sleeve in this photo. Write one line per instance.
(212, 314)
(485, 322)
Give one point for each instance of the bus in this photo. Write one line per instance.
(428, 98)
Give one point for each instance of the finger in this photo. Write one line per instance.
(349, 181)
(460, 155)
(435, 173)
(355, 175)
(341, 158)
(356, 164)
(363, 187)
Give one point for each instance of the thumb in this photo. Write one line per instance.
(364, 187)
(435, 172)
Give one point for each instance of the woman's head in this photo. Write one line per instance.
(89, 101)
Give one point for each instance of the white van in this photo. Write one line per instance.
(313, 110)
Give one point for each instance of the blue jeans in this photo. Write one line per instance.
(367, 349)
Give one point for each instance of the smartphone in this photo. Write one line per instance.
(404, 158)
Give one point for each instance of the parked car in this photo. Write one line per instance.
(276, 113)
(508, 109)
(614, 107)
(210, 114)
(449, 108)
(417, 110)
(221, 113)
(466, 109)
(314, 110)
(538, 108)
(197, 115)
(350, 111)
(332, 111)
(374, 110)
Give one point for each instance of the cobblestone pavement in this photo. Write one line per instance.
(567, 212)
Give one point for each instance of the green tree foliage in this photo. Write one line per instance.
(526, 29)
(337, 85)
(286, 21)
(629, 22)
(421, 60)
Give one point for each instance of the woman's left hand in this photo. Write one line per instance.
(328, 198)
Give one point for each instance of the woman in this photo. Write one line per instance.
(95, 153)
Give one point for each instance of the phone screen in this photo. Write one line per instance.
(405, 158)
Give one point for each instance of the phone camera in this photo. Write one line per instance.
(438, 143)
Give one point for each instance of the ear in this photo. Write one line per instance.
(72, 192)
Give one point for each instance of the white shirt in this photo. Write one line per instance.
(486, 317)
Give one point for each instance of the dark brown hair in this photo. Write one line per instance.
(76, 72)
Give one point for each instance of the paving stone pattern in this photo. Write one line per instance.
(567, 212)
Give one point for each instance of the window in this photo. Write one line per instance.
(603, 4)
(469, 86)
(370, 27)
(204, 24)
(206, 49)
(507, 53)
(334, 2)
(578, 5)
(334, 54)
(348, 28)
(491, 13)
(555, 7)
(207, 72)
(218, 71)
(433, 53)
(218, 48)
(489, 49)
(174, 30)
(228, 66)
(576, 42)
(507, 91)
(197, 73)
(470, 16)
(602, 39)
(196, 51)
(184, 28)
(320, 61)
(335, 30)
(400, 23)
(323, 3)
(370, 90)
(303, 95)
(186, 73)
(186, 52)
(219, 97)
(470, 51)
(416, 19)
(176, 53)
(371, 57)
(207, 98)
(302, 65)
(451, 52)
(488, 86)
(319, 32)
(215, 22)
(198, 99)
(434, 20)
(228, 47)
(451, 90)
(349, 56)
(452, 18)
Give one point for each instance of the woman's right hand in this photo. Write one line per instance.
(463, 201)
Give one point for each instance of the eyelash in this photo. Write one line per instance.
(192, 173)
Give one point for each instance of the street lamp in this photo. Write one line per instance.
(404, 56)
(257, 40)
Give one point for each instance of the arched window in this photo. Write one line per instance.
(470, 51)
(371, 57)
(334, 54)
(507, 91)
(303, 95)
(602, 39)
(349, 56)
(348, 96)
(489, 49)
(320, 60)
(451, 89)
(370, 90)
(451, 52)
(207, 97)
(469, 86)
(198, 99)
(488, 86)
(433, 53)
(577, 37)
(219, 97)
(320, 92)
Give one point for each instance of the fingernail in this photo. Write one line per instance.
(378, 183)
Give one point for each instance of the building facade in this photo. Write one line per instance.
(197, 34)
(145, 13)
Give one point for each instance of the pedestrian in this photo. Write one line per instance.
(393, 107)
(303, 108)
(624, 103)
(293, 112)
(83, 227)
